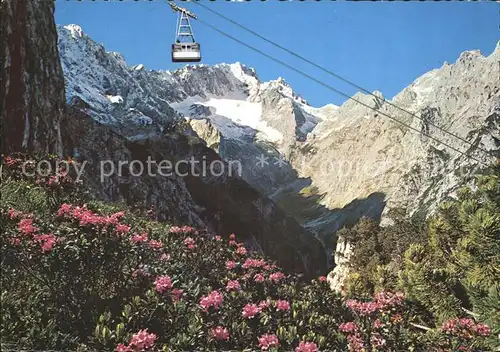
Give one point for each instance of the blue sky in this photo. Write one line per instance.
(379, 45)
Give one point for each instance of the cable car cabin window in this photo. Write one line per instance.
(186, 52)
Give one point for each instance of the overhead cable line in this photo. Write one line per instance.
(345, 80)
(336, 90)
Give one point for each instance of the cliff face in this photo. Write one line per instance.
(32, 95)
(219, 201)
(357, 151)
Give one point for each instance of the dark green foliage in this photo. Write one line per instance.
(449, 264)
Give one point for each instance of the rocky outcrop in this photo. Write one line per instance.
(32, 94)
(340, 273)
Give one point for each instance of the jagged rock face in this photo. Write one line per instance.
(358, 151)
(32, 94)
(222, 203)
(125, 114)
(373, 154)
(112, 93)
(226, 104)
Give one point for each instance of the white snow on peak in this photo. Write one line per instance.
(228, 94)
(75, 30)
(231, 116)
(322, 113)
(285, 89)
(115, 99)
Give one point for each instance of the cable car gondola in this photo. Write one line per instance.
(185, 48)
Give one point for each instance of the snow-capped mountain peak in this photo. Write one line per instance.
(285, 89)
(75, 30)
(230, 95)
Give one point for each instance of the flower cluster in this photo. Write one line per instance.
(47, 241)
(89, 218)
(220, 333)
(230, 264)
(306, 347)
(282, 305)
(267, 341)
(177, 294)
(259, 278)
(241, 250)
(382, 301)
(465, 328)
(26, 227)
(250, 311)
(163, 283)
(213, 299)
(139, 342)
(276, 277)
(190, 243)
(349, 327)
(233, 285)
(183, 230)
(136, 238)
(27, 230)
(253, 263)
(387, 300)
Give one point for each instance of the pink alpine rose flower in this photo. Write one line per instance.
(122, 229)
(276, 277)
(122, 348)
(282, 305)
(230, 264)
(241, 250)
(165, 257)
(142, 340)
(163, 283)
(233, 285)
(190, 243)
(348, 328)
(155, 244)
(306, 347)
(266, 341)
(14, 214)
(26, 226)
(177, 294)
(259, 278)
(139, 238)
(47, 241)
(482, 329)
(213, 299)
(220, 333)
(250, 311)
(264, 304)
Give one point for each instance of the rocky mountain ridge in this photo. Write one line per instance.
(328, 166)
